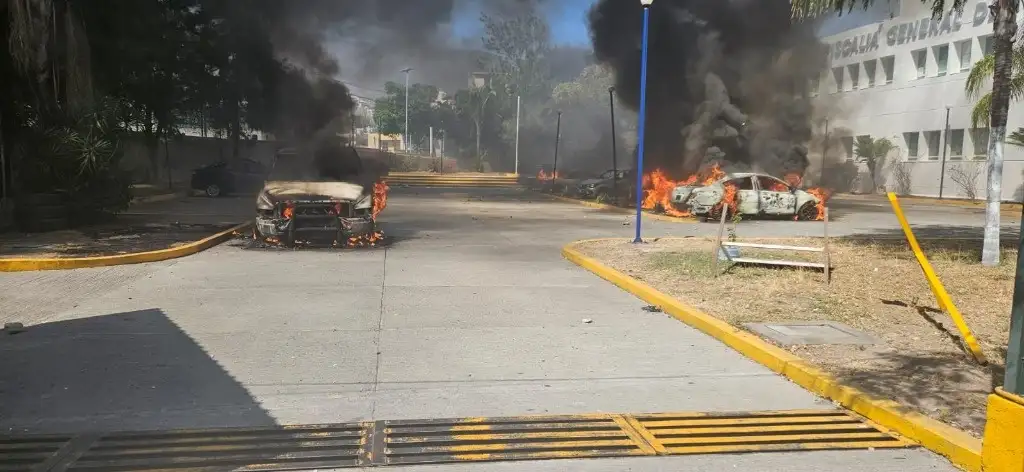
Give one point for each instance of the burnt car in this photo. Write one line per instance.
(603, 187)
(756, 194)
(320, 196)
(224, 178)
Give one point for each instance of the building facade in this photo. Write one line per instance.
(900, 78)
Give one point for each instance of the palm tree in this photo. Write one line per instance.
(874, 152)
(979, 77)
(1004, 30)
(1016, 138)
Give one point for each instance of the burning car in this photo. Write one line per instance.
(748, 194)
(328, 195)
(603, 187)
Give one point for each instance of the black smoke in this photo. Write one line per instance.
(728, 81)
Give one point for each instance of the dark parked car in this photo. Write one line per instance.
(215, 180)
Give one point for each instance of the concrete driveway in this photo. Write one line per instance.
(471, 312)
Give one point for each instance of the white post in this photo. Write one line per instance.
(519, 100)
(431, 141)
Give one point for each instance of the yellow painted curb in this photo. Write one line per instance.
(1004, 449)
(956, 445)
(28, 264)
(602, 206)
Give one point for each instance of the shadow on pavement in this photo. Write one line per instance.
(118, 372)
(963, 238)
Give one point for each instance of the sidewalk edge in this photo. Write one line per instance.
(30, 264)
(959, 447)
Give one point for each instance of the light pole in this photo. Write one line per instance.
(405, 135)
(615, 149)
(558, 137)
(519, 103)
(945, 146)
(643, 118)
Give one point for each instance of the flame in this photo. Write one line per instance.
(778, 186)
(366, 240)
(289, 210)
(658, 188)
(729, 197)
(823, 195)
(541, 175)
(380, 198)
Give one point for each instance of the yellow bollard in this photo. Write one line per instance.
(941, 296)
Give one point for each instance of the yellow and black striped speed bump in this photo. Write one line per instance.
(384, 443)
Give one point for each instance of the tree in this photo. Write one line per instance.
(423, 110)
(874, 153)
(474, 104)
(1016, 138)
(980, 76)
(1004, 31)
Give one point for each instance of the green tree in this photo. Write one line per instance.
(1016, 138)
(874, 152)
(475, 105)
(1004, 31)
(423, 110)
(981, 75)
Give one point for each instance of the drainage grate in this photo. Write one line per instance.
(30, 453)
(385, 443)
(762, 431)
(498, 439)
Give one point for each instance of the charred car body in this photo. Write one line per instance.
(604, 186)
(323, 195)
(756, 194)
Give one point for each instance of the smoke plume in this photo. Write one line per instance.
(727, 81)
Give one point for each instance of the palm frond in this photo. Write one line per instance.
(982, 110)
(1016, 138)
(979, 76)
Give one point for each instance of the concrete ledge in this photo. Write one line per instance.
(1004, 433)
(28, 264)
(959, 447)
(602, 206)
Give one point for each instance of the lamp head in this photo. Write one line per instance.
(646, 3)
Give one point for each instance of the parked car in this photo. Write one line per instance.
(243, 176)
(603, 187)
(756, 194)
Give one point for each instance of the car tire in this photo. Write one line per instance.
(808, 212)
(715, 213)
(213, 191)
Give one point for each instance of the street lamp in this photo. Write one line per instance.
(615, 159)
(643, 118)
(405, 135)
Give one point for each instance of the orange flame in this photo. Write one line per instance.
(366, 240)
(794, 179)
(729, 197)
(380, 198)
(823, 195)
(541, 175)
(658, 188)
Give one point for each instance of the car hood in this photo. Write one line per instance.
(591, 181)
(279, 190)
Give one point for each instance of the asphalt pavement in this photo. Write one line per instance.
(470, 311)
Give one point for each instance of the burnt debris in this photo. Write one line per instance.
(728, 81)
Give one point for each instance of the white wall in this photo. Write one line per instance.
(911, 104)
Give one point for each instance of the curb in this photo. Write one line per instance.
(163, 197)
(25, 265)
(959, 447)
(602, 206)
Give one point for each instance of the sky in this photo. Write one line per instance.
(566, 17)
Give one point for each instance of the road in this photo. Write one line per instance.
(470, 312)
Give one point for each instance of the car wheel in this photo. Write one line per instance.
(715, 214)
(213, 190)
(808, 212)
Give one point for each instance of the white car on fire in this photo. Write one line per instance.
(753, 194)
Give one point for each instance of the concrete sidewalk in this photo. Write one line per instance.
(471, 312)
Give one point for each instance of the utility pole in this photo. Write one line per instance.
(519, 103)
(945, 146)
(405, 136)
(615, 149)
(1014, 381)
(431, 141)
(558, 137)
(824, 153)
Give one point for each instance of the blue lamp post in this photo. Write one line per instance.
(643, 119)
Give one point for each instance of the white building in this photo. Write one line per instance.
(895, 78)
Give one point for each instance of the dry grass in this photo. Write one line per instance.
(877, 287)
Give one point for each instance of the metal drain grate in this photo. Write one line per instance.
(385, 443)
(30, 453)
(498, 439)
(283, 448)
(762, 431)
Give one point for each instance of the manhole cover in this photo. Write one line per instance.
(811, 332)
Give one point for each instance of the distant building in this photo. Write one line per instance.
(479, 80)
(386, 142)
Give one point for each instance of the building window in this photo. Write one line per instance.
(911, 139)
(932, 140)
(887, 67)
(837, 74)
(956, 143)
(869, 72)
(920, 60)
(979, 138)
(854, 71)
(847, 146)
(986, 45)
(941, 58)
(963, 52)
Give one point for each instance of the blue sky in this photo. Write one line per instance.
(567, 19)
